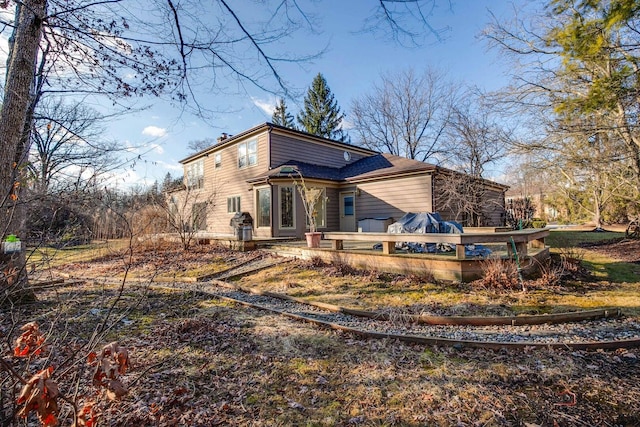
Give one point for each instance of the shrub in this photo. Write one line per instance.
(499, 274)
(538, 223)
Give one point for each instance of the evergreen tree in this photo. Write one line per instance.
(282, 117)
(321, 115)
(166, 182)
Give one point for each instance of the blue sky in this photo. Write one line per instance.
(351, 64)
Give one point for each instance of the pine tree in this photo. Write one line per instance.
(282, 117)
(321, 115)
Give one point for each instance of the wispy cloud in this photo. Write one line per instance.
(156, 148)
(268, 106)
(154, 131)
(169, 166)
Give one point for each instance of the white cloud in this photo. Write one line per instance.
(154, 131)
(267, 106)
(158, 149)
(169, 166)
(346, 124)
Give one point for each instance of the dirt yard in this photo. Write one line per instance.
(627, 250)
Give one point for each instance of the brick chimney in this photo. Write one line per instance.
(223, 137)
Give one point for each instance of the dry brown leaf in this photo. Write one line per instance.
(39, 394)
(29, 342)
(112, 362)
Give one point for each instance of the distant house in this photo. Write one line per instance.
(539, 199)
(255, 172)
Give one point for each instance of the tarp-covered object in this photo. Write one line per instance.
(431, 222)
(424, 222)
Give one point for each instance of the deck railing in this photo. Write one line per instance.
(522, 239)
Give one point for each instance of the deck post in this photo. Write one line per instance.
(388, 247)
(336, 245)
(460, 252)
(537, 243)
(521, 248)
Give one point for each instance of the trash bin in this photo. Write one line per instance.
(247, 233)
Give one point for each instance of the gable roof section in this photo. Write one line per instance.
(269, 127)
(307, 170)
(380, 165)
(384, 165)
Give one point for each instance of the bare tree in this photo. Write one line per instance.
(16, 101)
(186, 212)
(406, 114)
(406, 21)
(577, 65)
(467, 200)
(66, 140)
(476, 138)
(197, 145)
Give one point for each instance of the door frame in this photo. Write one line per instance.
(344, 225)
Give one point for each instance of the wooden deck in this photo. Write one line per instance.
(356, 249)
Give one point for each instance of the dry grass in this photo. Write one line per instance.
(200, 362)
(372, 290)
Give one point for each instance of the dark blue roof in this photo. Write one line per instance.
(379, 164)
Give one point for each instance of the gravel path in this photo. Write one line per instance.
(610, 329)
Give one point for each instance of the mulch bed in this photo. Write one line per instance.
(627, 250)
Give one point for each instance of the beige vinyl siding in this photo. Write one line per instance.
(333, 206)
(285, 148)
(228, 181)
(394, 197)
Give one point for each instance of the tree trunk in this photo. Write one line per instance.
(15, 107)
(597, 210)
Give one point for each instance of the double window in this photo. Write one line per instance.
(195, 174)
(199, 216)
(233, 204)
(247, 154)
(320, 211)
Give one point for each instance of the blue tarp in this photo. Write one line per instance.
(431, 222)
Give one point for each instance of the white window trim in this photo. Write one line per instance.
(293, 190)
(257, 199)
(246, 155)
(215, 162)
(239, 202)
(189, 169)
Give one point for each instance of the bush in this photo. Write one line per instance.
(499, 274)
(538, 223)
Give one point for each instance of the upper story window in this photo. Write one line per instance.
(195, 174)
(217, 159)
(247, 154)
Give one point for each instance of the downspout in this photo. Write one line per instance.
(271, 209)
(269, 165)
(433, 193)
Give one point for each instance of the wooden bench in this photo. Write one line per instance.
(523, 239)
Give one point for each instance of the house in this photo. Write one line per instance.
(255, 171)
